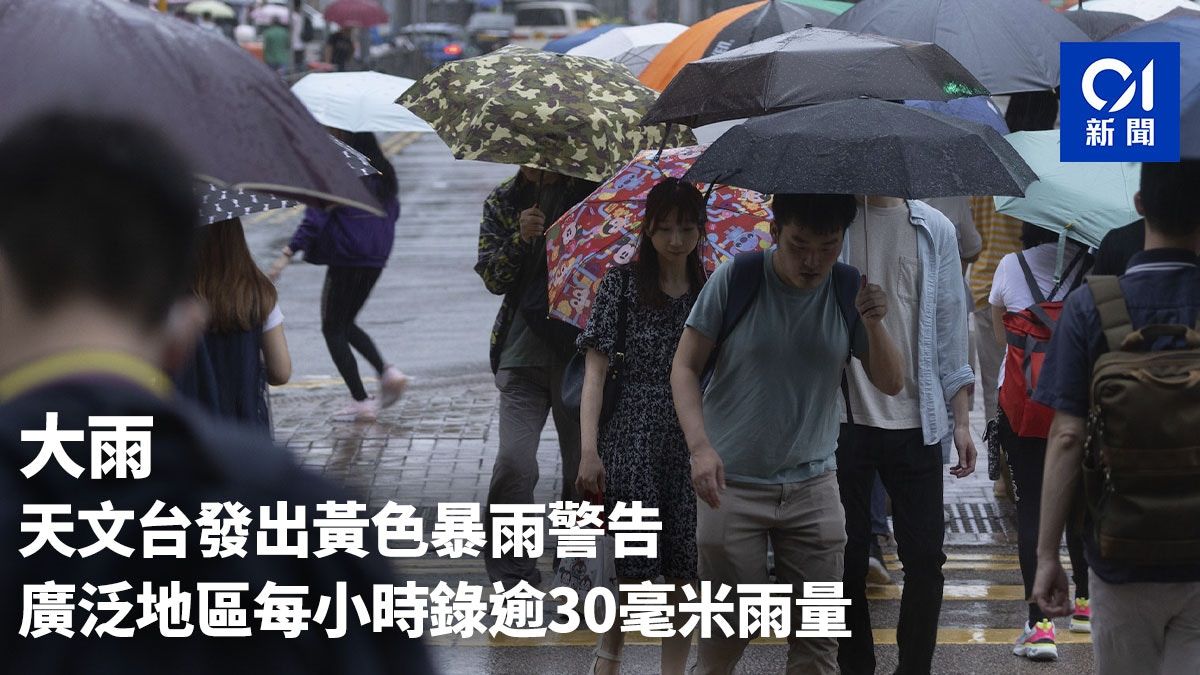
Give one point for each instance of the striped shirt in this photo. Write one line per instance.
(1001, 235)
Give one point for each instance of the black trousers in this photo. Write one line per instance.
(912, 475)
(345, 293)
(1027, 460)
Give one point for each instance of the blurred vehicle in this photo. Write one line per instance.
(490, 31)
(545, 20)
(439, 42)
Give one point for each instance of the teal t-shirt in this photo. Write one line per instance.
(773, 406)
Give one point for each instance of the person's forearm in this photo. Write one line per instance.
(1064, 454)
(960, 405)
(592, 401)
(689, 406)
(884, 365)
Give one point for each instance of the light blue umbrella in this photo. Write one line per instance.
(1083, 200)
(566, 44)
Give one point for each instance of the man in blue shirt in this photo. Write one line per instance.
(1146, 619)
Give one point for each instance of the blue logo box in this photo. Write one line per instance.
(1120, 102)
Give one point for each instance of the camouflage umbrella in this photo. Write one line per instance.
(572, 115)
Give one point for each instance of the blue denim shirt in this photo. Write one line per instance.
(943, 365)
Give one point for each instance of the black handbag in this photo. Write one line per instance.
(572, 379)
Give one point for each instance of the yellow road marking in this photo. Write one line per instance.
(883, 636)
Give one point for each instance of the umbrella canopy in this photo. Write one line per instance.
(363, 101)
(214, 8)
(834, 7)
(1011, 46)
(864, 146)
(269, 14)
(975, 108)
(807, 66)
(1145, 10)
(631, 46)
(603, 229)
(234, 119)
(1189, 125)
(572, 115)
(565, 44)
(356, 13)
(1185, 31)
(222, 203)
(1102, 25)
(1083, 199)
(728, 30)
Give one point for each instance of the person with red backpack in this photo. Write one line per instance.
(1026, 301)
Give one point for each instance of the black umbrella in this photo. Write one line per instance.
(864, 146)
(1010, 45)
(808, 66)
(222, 203)
(773, 18)
(1102, 25)
(232, 116)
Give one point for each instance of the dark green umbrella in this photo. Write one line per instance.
(572, 115)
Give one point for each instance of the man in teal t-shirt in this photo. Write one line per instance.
(764, 436)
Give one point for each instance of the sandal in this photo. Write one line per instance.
(598, 654)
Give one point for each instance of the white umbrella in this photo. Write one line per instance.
(1147, 10)
(214, 8)
(632, 46)
(263, 16)
(358, 101)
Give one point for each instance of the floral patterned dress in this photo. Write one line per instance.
(641, 446)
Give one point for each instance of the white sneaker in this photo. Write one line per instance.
(392, 384)
(359, 411)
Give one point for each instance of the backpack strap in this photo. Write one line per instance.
(846, 280)
(1036, 293)
(1110, 304)
(1079, 255)
(622, 318)
(744, 281)
(1031, 282)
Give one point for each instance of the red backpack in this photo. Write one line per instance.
(1028, 334)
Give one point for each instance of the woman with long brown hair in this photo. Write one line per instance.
(244, 348)
(639, 453)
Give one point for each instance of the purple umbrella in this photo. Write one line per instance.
(232, 117)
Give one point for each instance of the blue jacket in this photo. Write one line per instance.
(348, 237)
(943, 366)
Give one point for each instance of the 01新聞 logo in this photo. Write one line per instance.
(1120, 102)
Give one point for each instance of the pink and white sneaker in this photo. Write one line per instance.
(1081, 618)
(392, 384)
(1036, 643)
(366, 410)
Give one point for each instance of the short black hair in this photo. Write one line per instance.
(824, 214)
(1033, 235)
(1032, 111)
(1168, 197)
(96, 207)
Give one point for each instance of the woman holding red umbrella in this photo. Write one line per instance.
(639, 452)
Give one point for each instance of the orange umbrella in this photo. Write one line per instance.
(690, 46)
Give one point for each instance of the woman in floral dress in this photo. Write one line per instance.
(639, 453)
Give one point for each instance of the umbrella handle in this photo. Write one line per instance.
(663, 145)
